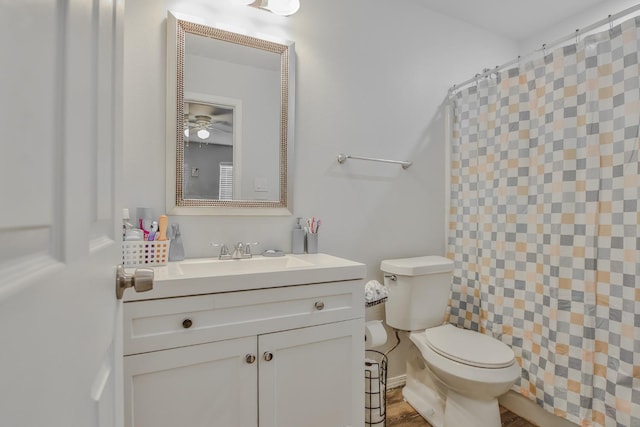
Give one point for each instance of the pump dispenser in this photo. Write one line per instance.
(297, 238)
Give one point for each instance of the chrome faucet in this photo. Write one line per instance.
(240, 251)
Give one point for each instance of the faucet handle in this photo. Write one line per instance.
(247, 247)
(224, 250)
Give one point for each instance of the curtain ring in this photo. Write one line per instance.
(544, 49)
(577, 35)
(610, 23)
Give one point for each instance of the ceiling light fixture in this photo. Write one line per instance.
(203, 134)
(278, 7)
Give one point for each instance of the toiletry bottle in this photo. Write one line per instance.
(162, 227)
(297, 238)
(125, 222)
(176, 249)
(145, 219)
(153, 231)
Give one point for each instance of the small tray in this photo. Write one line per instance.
(273, 253)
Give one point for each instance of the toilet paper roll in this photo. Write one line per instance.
(374, 334)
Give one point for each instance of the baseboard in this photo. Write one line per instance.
(395, 382)
(527, 409)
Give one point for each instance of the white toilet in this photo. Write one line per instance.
(454, 376)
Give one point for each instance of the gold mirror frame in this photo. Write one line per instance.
(177, 26)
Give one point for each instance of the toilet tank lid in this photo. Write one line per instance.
(417, 266)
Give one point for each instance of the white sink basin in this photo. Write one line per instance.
(255, 265)
(197, 276)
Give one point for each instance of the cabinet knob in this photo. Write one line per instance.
(250, 358)
(187, 323)
(319, 305)
(267, 356)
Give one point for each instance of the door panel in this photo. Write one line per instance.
(59, 239)
(205, 385)
(314, 378)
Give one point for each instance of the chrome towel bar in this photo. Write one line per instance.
(343, 158)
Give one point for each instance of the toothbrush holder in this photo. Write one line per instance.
(312, 243)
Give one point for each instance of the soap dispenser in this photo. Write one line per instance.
(176, 249)
(297, 239)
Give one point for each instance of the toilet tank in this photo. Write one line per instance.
(418, 291)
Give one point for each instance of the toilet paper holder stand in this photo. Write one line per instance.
(375, 382)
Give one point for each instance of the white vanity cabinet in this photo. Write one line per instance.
(202, 385)
(288, 356)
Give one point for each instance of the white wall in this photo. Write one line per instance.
(371, 80)
(579, 20)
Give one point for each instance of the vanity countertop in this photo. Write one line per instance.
(210, 275)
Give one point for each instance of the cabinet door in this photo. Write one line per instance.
(198, 386)
(314, 377)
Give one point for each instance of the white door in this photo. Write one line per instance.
(60, 131)
(206, 385)
(312, 377)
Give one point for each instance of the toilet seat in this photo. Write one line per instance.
(468, 347)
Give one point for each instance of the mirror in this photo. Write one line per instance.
(229, 120)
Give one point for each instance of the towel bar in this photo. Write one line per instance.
(343, 158)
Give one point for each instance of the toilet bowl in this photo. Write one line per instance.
(454, 375)
(471, 370)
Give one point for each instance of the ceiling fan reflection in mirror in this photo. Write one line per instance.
(208, 124)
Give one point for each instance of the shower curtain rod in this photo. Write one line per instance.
(577, 33)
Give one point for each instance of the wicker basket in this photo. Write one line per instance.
(141, 253)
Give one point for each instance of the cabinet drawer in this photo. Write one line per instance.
(176, 322)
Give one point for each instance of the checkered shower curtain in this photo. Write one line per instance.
(544, 223)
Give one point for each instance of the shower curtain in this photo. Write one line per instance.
(544, 223)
